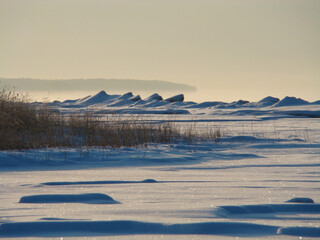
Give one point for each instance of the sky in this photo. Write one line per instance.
(228, 49)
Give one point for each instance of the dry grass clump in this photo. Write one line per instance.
(87, 130)
(24, 125)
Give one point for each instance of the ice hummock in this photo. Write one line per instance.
(291, 101)
(128, 103)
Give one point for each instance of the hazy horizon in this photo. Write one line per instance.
(61, 95)
(227, 49)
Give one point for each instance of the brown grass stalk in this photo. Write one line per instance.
(24, 125)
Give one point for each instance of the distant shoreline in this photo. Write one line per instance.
(95, 84)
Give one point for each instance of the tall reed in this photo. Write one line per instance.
(24, 125)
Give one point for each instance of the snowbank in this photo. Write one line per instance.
(104, 228)
(301, 200)
(300, 231)
(237, 211)
(89, 198)
(107, 228)
(97, 182)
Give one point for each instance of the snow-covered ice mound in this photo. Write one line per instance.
(291, 101)
(98, 98)
(177, 98)
(135, 98)
(268, 101)
(153, 97)
(103, 103)
(90, 198)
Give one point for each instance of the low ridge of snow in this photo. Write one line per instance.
(237, 211)
(206, 104)
(149, 180)
(105, 228)
(90, 198)
(301, 200)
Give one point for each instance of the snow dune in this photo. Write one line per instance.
(101, 228)
(89, 198)
(202, 188)
(107, 228)
(301, 200)
(97, 182)
(300, 231)
(287, 208)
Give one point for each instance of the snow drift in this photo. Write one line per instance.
(90, 198)
(103, 228)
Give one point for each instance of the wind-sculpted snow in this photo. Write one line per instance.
(300, 200)
(291, 101)
(245, 139)
(273, 209)
(259, 180)
(98, 98)
(205, 105)
(153, 97)
(303, 113)
(109, 228)
(268, 101)
(177, 98)
(97, 182)
(103, 103)
(89, 198)
(157, 154)
(300, 231)
(104, 228)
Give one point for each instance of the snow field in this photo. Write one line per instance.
(238, 186)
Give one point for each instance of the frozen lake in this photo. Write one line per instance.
(234, 187)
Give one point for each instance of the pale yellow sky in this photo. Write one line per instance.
(228, 49)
